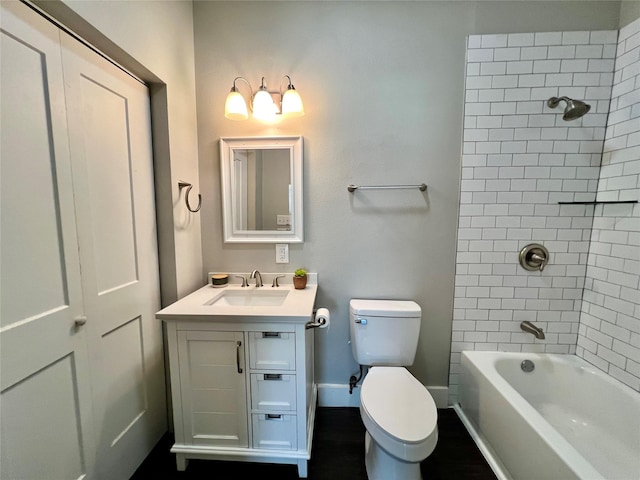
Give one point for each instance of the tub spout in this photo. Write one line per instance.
(529, 327)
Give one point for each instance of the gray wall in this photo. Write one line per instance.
(383, 89)
(276, 174)
(629, 11)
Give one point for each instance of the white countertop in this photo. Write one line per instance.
(297, 306)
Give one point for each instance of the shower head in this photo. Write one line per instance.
(574, 109)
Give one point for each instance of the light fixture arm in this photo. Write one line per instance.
(235, 89)
(289, 87)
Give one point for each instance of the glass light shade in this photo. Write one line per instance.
(263, 106)
(235, 108)
(292, 103)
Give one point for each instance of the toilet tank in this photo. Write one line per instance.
(384, 332)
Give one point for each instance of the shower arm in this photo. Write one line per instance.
(553, 102)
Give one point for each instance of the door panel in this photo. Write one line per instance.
(50, 433)
(44, 376)
(109, 131)
(32, 251)
(106, 143)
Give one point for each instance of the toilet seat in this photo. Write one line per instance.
(399, 413)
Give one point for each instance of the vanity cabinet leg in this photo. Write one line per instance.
(302, 468)
(181, 462)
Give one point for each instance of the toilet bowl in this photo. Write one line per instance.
(401, 421)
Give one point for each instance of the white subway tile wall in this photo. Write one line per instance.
(609, 332)
(519, 160)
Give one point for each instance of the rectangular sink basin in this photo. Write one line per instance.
(253, 298)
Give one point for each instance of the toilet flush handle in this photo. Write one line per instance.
(361, 321)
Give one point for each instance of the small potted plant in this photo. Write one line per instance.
(300, 279)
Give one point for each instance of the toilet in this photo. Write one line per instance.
(397, 410)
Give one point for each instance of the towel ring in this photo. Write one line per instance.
(189, 186)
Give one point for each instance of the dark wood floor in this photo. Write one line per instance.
(338, 453)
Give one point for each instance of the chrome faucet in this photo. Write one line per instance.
(256, 274)
(529, 327)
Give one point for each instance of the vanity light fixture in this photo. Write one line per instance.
(265, 105)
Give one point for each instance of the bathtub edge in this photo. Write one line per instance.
(487, 452)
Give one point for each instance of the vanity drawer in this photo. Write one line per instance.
(273, 391)
(272, 350)
(274, 431)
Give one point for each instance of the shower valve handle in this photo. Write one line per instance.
(534, 257)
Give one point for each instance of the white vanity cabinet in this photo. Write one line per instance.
(242, 386)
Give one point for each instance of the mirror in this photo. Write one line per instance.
(262, 189)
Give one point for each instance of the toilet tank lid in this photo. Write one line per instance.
(385, 308)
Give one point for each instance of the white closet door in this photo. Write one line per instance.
(111, 156)
(44, 380)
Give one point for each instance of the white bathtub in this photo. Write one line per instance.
(564, 420)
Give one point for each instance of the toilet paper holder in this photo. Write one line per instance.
(316, 322)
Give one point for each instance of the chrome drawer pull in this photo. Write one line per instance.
(272, 416)
(270, 334)
(238, 345)
(273, 376)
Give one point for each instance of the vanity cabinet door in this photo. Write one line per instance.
(213, 388)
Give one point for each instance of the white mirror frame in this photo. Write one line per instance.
(294, 145)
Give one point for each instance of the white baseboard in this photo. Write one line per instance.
(337, 395)
(440, 395)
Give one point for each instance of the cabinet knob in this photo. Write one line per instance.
(80, 320)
